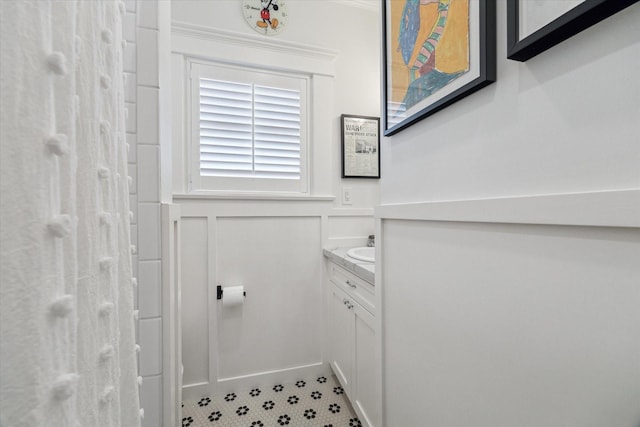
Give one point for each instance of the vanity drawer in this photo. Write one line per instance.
(361, 290)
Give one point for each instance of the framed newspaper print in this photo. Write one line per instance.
(360, 136)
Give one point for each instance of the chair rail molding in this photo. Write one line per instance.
(611, 208)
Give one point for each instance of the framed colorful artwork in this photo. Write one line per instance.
(534, 26)
(360, 137)
(435, 52)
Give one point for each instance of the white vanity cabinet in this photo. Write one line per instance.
(352, 341)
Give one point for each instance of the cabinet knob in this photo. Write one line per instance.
(351, 284)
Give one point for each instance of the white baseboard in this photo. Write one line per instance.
(257, 380)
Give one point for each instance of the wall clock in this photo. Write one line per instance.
(265, 16)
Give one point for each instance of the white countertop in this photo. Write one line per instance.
(364, 270)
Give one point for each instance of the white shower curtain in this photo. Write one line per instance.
(67, 350)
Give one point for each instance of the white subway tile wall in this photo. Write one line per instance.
(133, 207)
(129, 59)
(147, 57)
(150, 346)
(147, 114)
(134, 267)
(130, 87)
(133, 179)
(130, 27)
(149, 173)
(130, 116)
(151, 397)
(132, 141)
(141, 99)
(149, 231)
(130, 5)
(149, 289)
(147, 14)
(134, 241)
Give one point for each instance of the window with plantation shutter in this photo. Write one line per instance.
(250, 130)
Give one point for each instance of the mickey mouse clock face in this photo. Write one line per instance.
(265, 16)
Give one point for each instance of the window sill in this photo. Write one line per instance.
(211, 195)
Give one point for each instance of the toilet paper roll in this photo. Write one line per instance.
(232, 296)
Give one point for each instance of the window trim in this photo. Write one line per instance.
(206, 44)
(206, 184)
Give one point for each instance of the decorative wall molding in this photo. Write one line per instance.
(371, 5)
(250, 41)
(171, 321)
(199, 208)
(203, 225)
(228, 385)
(615, 208)
(249, 196)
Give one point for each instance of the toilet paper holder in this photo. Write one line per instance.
(219, 289)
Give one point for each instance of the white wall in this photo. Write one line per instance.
(564, 121)
(348, 30)
(142, 61)
(500, 310)
(271, 246)
(510, 324)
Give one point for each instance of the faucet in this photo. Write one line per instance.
(371, 242)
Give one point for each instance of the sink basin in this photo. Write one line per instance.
(363, 254)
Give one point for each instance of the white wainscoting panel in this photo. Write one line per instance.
(195, 300)
(515, 322)
(274, 249)
(276, 260)
(351, 226)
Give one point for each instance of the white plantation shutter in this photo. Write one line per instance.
(276, 133)
(250, 128)
(226, 128)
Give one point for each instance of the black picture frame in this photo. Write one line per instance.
(572, 22)
(484, 72)
(360, 142)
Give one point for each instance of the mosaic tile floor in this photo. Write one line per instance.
(314, 402)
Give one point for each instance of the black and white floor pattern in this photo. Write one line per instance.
(314, 402)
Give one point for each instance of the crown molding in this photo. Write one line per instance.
(370, 5)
